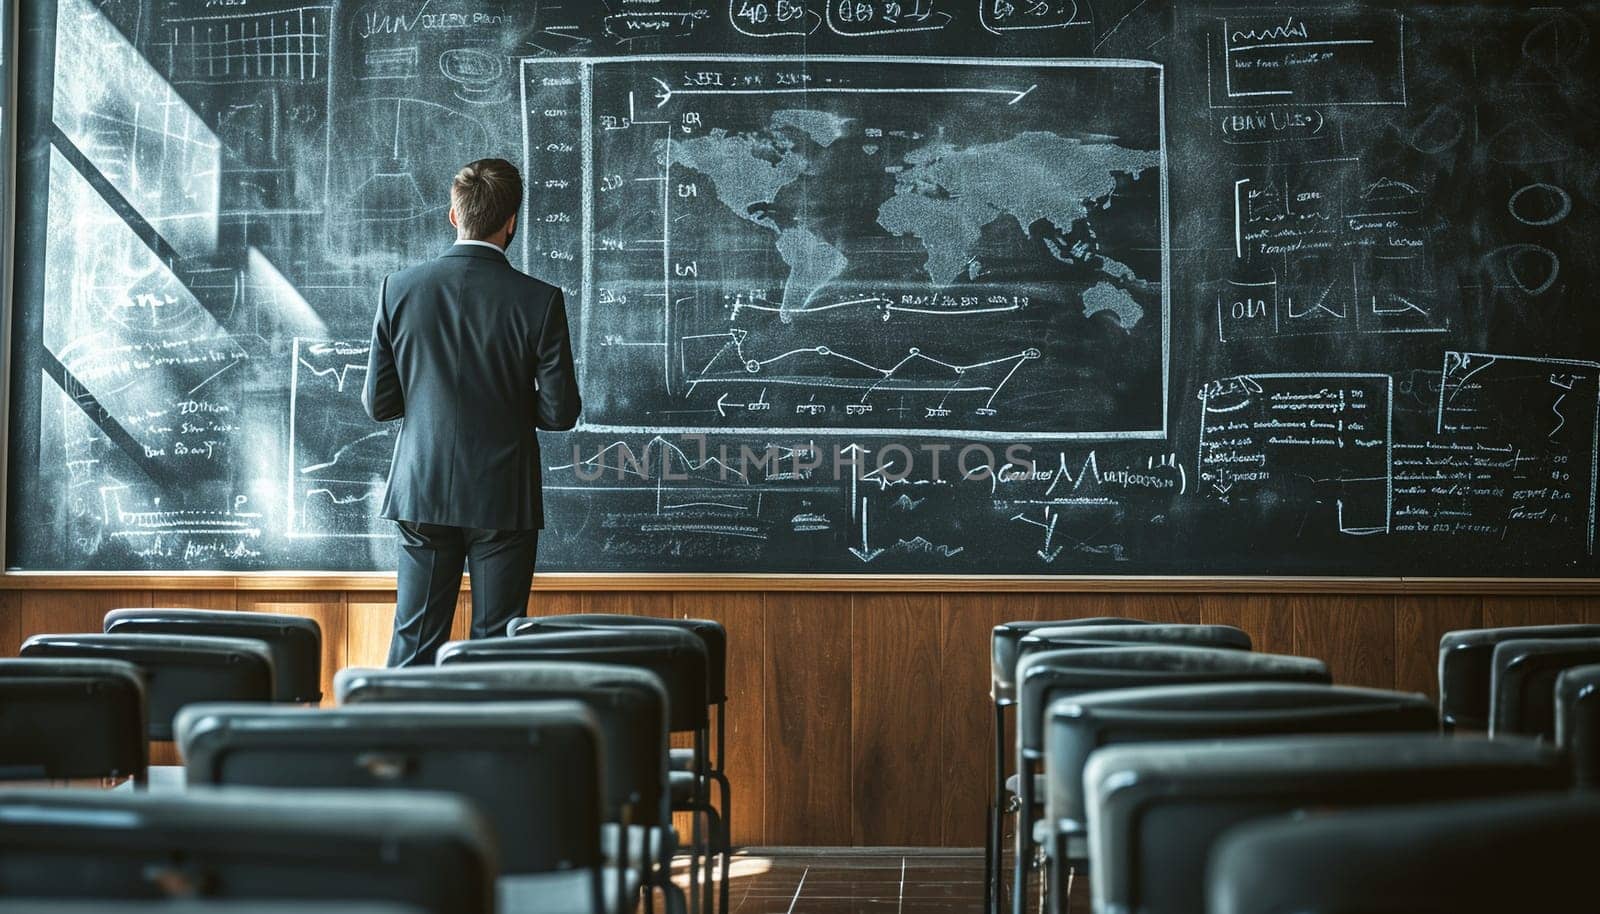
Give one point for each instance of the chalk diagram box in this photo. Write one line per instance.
(848, 245)
(338, 461)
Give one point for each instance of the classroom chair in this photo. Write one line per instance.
(1078, 726)
(715, 638)
(1466, 665)
(630, 706)
(1155, 811)
(531, 768)
(1524, 854)
(295, 642)
(429, 851)
(1046, 676)
(63, 718)
(677, 656)
(1221, 637)
(1522, 684)
(1004, 642)
(178, 669)
(1578, 722)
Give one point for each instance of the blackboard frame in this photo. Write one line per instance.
(40, 15)
(820, 583)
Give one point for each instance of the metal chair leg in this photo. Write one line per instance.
(995, 839)
(1019, 890)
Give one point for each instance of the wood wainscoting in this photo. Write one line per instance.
(860, 712)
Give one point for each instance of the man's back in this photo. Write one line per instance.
(475, 356)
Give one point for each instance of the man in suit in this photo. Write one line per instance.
(472, 355)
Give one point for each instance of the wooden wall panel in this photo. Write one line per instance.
(1501, 611)
(71, 612)
(11, 603)
(369, 621)
(626, 603)
(194, 599)
(745, 741)
(1269, 619)
(1419, 623)
(966, 719)
(895, 693)
(807, 694)
(1353, 635)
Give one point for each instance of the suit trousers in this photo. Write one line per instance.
(428, 580)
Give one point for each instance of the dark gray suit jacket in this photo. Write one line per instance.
(474, 356)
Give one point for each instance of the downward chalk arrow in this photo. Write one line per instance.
(1048, 554)
(865, 553)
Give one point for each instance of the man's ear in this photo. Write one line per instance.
(454, 222)
(510, 227)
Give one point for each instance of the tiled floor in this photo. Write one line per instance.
(862, 882)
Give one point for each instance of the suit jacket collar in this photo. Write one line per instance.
(474, 250)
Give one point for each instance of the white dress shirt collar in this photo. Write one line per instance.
(484, 244)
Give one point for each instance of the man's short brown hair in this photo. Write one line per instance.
(485, 194)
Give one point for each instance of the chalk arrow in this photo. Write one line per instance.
(856, 451)
(720, 411)
(865, 553)
(1048, 554)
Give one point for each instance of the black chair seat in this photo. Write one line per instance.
(630, 706)
(294, 641)
(178, 670)
(1156, 810)
(1006, 638)
(1078, 726)
(1047, 676)
(430, 851)
(63, 718)
(1466, 664)
(1456, 858)
(677, 656)
(532, 768)
(710, 632)
(1578, 722)
(1522, 683)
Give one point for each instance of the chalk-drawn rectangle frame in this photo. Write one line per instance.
(584, 68)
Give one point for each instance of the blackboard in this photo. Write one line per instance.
(857, 286)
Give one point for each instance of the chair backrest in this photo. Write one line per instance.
(1522, 697)
(1420, 860)
(429, 851)
(709, 631)
(1045, 677)
(1005, 638)
(1578, 722)
(531, 768)
(1083, 724)
(1466, 665)
(630, 705)
(294, 641)
(1219, 637)
(1156, 810)
(178, 670)
(676, 656)
(66, 718)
